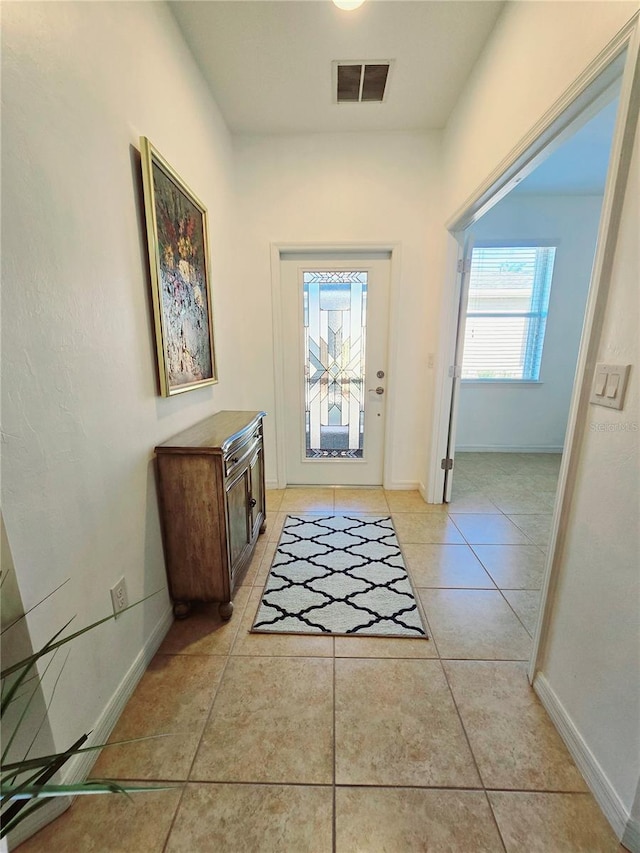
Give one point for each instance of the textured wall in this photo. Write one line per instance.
(333, 189)
(593, 658)
(81, 415)
(534, 54)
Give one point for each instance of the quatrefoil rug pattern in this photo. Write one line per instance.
(339, 574)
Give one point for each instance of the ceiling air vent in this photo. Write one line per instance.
(360, 82)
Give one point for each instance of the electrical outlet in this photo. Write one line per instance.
(119, 597)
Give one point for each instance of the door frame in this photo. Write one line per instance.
(455, 371)
(318, 250)
(579, 102)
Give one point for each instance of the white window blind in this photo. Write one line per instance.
(509, 290)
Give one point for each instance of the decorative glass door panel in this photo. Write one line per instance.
(335, 320)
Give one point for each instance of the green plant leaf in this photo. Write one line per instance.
(27, 612)
(37, 780)
(21, 798)
(27, 706)
(25, 666)
(29, 808)
(16, 767)
(51, 645)
(40, 796)
(92, 786)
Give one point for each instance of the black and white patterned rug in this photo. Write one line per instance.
(339, 574)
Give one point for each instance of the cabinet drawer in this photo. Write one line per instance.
(239, 455)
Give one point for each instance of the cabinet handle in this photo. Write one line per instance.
(252, 502)
(234, 460)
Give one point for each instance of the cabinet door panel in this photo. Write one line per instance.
(255, 472)
(237, 498)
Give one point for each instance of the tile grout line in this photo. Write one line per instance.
(206, 722)
(362, 786)
(455, 705)
(497, 588)
(473, 756)
(495, 819)
(486, 790)
(501, 590)
(466, 735)
(334, 787)
(513, 610)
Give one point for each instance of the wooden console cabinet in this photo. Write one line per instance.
(212, 506)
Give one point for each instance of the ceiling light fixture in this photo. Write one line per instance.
(348, 5)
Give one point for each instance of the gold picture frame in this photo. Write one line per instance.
(178, 239)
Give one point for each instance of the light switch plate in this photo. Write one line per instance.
(609, 385)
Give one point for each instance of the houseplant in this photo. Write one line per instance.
(26, 784)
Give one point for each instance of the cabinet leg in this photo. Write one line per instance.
(226, 610)
(181, 609)
(263, 526)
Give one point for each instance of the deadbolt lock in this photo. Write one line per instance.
(380, 374)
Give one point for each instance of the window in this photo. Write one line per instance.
(509, 291)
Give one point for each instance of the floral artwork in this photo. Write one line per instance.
(177, 232)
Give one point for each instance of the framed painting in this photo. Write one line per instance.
(181, 288)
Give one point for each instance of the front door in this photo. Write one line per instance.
(335, 319)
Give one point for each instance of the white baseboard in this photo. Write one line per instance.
(631, 837)
(595, 777)
(48, 813)
(493, 448)
(423, 492)
(78, 768)
(399, 485)
(395, 485)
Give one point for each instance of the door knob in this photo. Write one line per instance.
(378, 390)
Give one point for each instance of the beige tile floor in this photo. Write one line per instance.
(290, 744)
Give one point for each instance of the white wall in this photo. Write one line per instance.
(592, 662)
(534, 54)
(81, 415)
(336, 189)
(494, 416)
(16, 647)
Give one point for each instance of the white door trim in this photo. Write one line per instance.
(550, 131)
(455, 371)
(523, 158)
(277, 250)
(446, 358)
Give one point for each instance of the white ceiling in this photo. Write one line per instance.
(268, 62)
